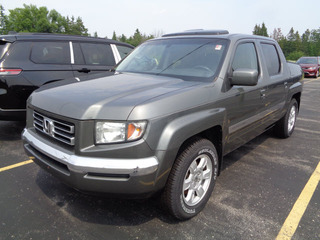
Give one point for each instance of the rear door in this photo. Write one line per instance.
(277, 78)
(92, 57)
(49, 61)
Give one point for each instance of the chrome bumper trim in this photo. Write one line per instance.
(12, 110)
(134, 167)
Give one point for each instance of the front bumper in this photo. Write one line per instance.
(114, 176)
(310, 73)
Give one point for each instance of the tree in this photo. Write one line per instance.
(305, 42)
(134, 40)
(75, 27)
(28, 19)
(3, 20)
(261, 31)
(123, 38)
(293, 45)
(114, 36)
(33, 19)
(277, 34)
(315, 41)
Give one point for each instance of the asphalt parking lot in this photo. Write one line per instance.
(268, 189)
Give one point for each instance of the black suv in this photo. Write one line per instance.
(28, 61)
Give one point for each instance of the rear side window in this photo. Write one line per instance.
(97, 54)
(3, 48)
(245, 57)
(272, 58)
(123, 50)
(51, 53)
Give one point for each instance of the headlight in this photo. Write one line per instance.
(113, 132)
(312, 68)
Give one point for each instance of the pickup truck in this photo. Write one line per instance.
(166, 117)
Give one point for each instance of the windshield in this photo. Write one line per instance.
(307, 61)
(185, 58)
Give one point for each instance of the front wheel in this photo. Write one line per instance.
(284, 128)
(191, 180)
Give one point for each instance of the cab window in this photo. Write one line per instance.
(245, 57)
(272, 58)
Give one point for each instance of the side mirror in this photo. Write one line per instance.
(245, 77)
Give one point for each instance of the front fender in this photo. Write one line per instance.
(182, 128)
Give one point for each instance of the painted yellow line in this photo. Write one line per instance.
(16, 165)
(311, 81)
(291, 223)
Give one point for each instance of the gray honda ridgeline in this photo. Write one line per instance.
(163, 122)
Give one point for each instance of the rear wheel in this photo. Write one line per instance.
(284, 128)
(191, 180)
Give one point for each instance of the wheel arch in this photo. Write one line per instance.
(297, 97)
(214, 135)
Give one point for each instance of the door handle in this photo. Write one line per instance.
(263, 93)
(84, 70)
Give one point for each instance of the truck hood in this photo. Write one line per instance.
(107, 97)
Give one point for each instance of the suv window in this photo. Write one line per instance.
(3, 48)
(245, 57)
(51, 52)
(272, 58)
(97, 54)
(123, 50)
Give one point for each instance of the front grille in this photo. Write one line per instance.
(63, 132)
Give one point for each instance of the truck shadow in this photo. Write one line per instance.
(119, 212)
(11, 130)
(100, 209)
(237, 154)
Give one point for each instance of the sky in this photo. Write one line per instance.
(166, 16)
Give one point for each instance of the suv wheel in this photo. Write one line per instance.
(191, 180)
(284, 128)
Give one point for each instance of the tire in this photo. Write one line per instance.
(284, 128)
(191, 180)
(317, 74)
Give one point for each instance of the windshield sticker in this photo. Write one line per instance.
(218, 47)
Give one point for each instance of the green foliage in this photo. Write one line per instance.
(134, 40)
(261, 31)
(293, 56)
(75, 27)
(3, 20)
(114, 36)
(33, 19)
(293, 45)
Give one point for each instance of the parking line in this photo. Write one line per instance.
(310, 81)
(16, 165)
(291, 223)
